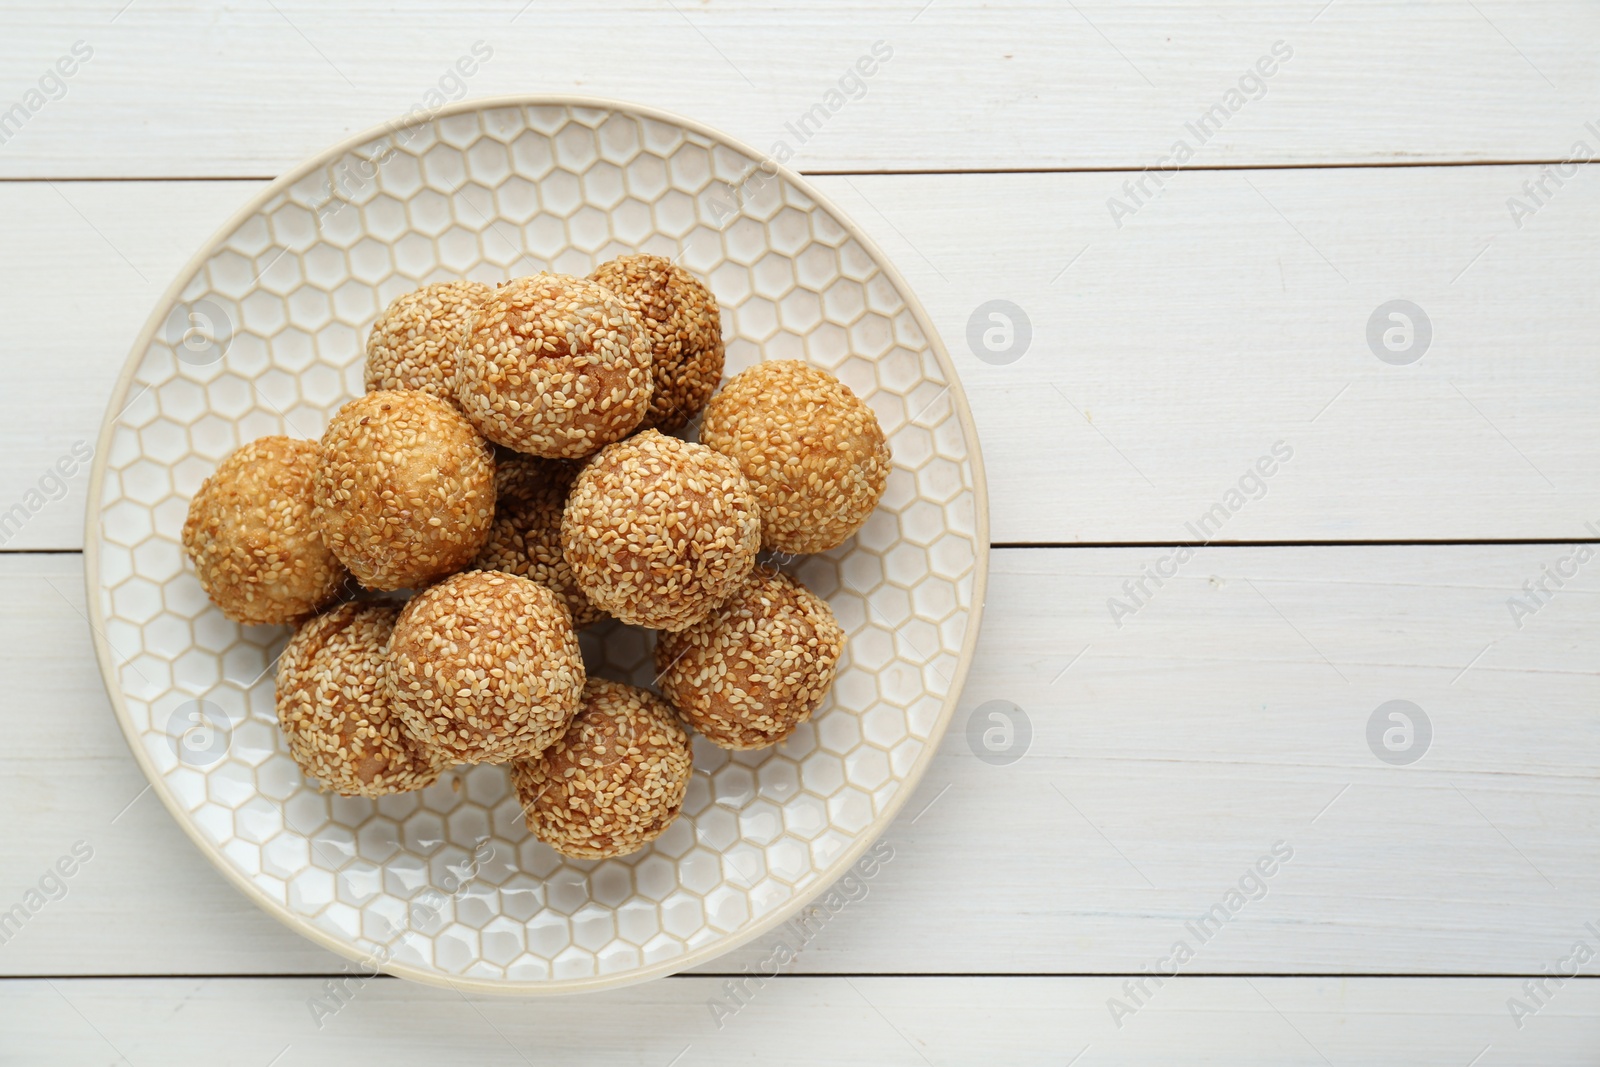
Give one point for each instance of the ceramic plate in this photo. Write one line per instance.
(264, 333)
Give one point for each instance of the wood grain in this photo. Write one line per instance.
(1167, 356)
(183, 89)
(873, 1022)
(1167, 756)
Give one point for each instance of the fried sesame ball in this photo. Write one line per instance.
(335, 709)
(659, 531)
(757, 668)
(812, 450)
(251, 537)
(485, 666)
(530, 495)
(404, 489)
(413, 344)
(553, 366)
(616, 779)
(683, 327)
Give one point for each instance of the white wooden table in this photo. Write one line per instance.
(1398, 151)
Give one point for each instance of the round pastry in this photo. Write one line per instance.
(553, 366)
(485, 667)
(659, 531)
(812, 450)
(413, 344)
(757, 668)
(335, 709)
(404, 489)
(614, 782)
(530, 494)
(681, 325)
(251, 537)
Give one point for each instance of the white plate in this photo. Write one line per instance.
(264, 333)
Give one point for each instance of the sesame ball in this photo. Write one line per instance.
(404, 489)
(530, 495)
(812, 450)
(659, 531)
(335, 709)
(413, 344)
(485, 666)
(616, 779)
(553, 366)
(757, 668)
(251, 538)
(683, 328)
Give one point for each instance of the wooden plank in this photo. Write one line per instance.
(1167, 356)
(867, 1021)
(1228, 713)
(1027, 85)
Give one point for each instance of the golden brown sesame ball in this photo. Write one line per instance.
(413, 344)
(485, 666)
(553, 366)
(404, 489)
(683, 327)
(335, 709)
(812, 450)
(757, 667)
(251, 537)
(614, 782)
(530, 495)
(659, 531)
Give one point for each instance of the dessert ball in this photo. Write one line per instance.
(614, 781)
(404, 489)
(812, 450)
(553, 366)
(485, 667)
(335, 709)
(530, 495)
(682, 326)
(252, 539)
(757, 667)
(659, 531)
(413, 343)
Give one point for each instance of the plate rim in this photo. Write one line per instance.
(551, 986)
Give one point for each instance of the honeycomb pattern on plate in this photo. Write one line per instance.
(267, 337)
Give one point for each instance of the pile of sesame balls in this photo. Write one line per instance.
(515, 473)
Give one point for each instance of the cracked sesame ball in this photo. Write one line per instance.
(485, 667)
(404, 489)
(530, 495)
(252, 539)
(553, 366)
(757, 668)
(812, 450)
(683, 327)
(413, 344)
(616, 779)
(659, 531)
(335, 709)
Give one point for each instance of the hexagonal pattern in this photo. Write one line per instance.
(266, 338)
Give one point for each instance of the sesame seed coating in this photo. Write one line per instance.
(413, 343)
(335, 710)
(404, 489)
(252, 539)
(757, 668)
(485, 666)
(553, 366)
(812, 450)
(659, 531)
(530, 495)
(682, 325)
(616, 779)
